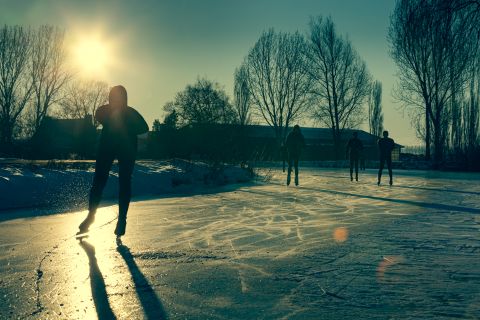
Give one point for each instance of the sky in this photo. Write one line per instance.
(156, 47)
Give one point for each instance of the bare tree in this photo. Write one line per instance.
(432, 46)
(278, 82)
(82, 98)
(202, 103)
(15, 86)
(471, 111)
(471, 9)
(341, 79)
(375, 115)
(242, 101)
(48, 71)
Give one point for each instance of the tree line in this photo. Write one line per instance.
(435, 46)
(35, 81)
(286, 77)
(319, 75)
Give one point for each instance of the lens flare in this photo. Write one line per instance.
(340, 234)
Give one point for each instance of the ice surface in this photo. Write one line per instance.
(329, 249)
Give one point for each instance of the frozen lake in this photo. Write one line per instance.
(329, 249)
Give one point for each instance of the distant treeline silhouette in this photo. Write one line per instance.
(283, 78)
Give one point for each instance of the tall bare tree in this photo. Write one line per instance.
(242, 101)
(471, 111)
(375, 115)
(471, 121)
(15, 85)
(278, 82)
(432, 46)
(341, 78)
(82, 98)
(48, 71)
(471, 9)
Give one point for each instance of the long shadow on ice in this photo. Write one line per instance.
(152, 306)
(99, 292)
(435, 206)
(407, 187)
(439, 190)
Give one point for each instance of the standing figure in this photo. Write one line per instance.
(385, 146)
(294, 145)
(118, 140)
(283, 154)
(354, 152)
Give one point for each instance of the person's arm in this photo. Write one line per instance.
(347, 149)
(138, 123)
(102, 114)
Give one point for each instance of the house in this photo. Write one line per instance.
(64, 138)
(252, 142)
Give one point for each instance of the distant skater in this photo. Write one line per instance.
(354, 152)
(118, 140)
(283, 154)
(294, 144)
(385, 146)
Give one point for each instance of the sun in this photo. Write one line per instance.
(92, 56)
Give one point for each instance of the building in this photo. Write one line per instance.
(319, 142)
(64, 138)
(253, 142)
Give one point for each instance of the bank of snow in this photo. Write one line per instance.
(66, 184)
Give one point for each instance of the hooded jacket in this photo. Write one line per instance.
(121, 125)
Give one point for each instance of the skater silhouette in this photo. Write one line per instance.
(118, 140)
(294, 145)
(283, 154)
(385, 146)
(354, 152)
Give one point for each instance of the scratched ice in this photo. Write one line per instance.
(329, 249)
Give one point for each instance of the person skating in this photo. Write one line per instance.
(354, 152)
(283, 154)
(386, 146)
(118, 140)
(294, 145)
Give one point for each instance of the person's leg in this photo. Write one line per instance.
(102, 169)
(125, 169)
(389, 165)
(289, 173)
(351, 168)
(296, 170)
(382, 163)
(356, 169)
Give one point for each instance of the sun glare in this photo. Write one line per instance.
(92, 56)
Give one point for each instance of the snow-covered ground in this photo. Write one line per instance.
(65, 184)
(329, 249)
